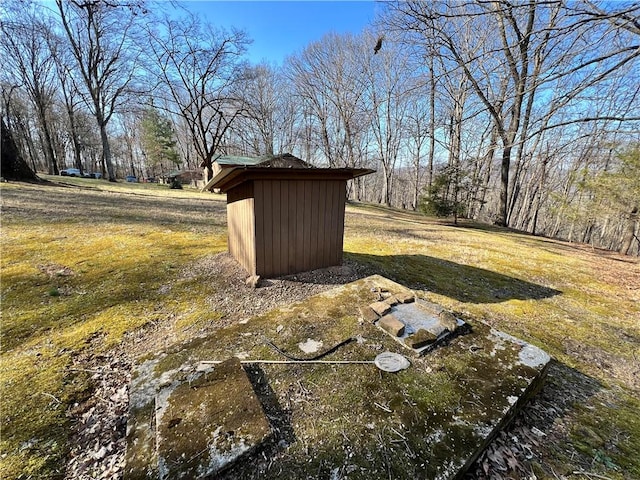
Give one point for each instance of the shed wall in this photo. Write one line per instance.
(241, 225)
(299, 226)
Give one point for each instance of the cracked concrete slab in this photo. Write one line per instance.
(202, 424)
(446, 407)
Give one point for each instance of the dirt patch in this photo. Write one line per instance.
(53, 270)
(236, 301)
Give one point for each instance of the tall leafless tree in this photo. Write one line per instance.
(328, 75)
(100, 35)
(71, 98)
(267, 125)
(29, 49)
(197, 68)
(389, 82)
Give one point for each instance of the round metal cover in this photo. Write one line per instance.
(391, 362)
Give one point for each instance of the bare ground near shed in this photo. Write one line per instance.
(95, 275)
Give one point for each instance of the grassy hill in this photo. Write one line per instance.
(86, 267)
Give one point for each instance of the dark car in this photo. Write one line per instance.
(131, 178)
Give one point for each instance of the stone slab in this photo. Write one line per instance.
(202, 425)
(391, 300)
(405, 297)
(391, 325)
(431, 420)
(367, 314)
(420, 339)
(381, 308)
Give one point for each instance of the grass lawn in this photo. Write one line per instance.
(85, 264)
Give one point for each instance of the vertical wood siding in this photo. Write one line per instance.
(241, 225)
(288, 226)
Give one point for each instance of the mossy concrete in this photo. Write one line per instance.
(196, 427)
(429, 421)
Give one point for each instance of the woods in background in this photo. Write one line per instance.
(522, 114)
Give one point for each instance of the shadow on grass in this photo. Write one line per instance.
(93, 206)
(552, 409)
(461, 282)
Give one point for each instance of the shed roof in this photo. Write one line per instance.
(236, 160)
(228, 178)
(281, 160)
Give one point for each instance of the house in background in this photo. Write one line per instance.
(192, 178)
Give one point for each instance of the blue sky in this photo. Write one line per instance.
(281, 28)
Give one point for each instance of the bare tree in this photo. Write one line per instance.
(260, 95)
(100, 36)
(418, 131)
(71, 98)
(329, 79)
(28, 47)
(389, 83)
(269, 122)
(197, 67)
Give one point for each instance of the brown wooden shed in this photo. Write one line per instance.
(284, 220)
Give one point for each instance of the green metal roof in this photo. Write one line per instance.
(237, 160)
(279, 160)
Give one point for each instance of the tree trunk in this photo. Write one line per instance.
(534, 222)
(28, 140)
(106, 152)
(76, 151)
(630, 232)
(12, 164)
(586, 235)
(386, 185)
(77, 159)
(504, 187)
(488, 159)
(416, 189)
(52, 165)
(538, 196)
(432, 119)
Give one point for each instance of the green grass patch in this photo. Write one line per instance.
(87, 262)
(70, 278)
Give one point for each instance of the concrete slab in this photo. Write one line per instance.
(431, 420)
(202, 426)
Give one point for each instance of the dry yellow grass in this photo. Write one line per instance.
(85, 264)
